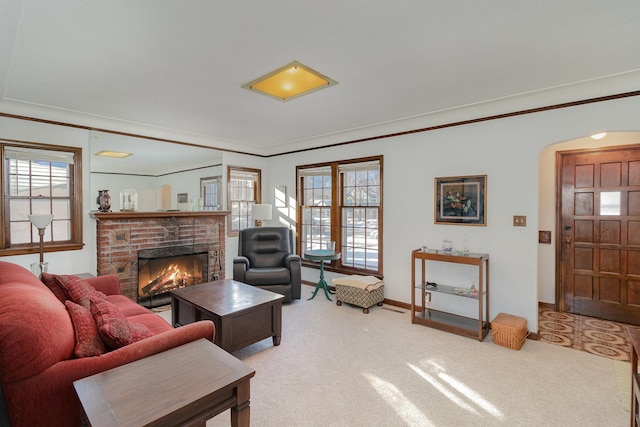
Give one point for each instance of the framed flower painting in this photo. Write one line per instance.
(461, 200)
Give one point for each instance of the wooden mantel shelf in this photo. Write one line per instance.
(154, 214)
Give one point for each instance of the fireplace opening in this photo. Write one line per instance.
(163, 270)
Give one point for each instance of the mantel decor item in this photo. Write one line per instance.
(129, 200)
(41, 222)
(104, 201)
(461, 200)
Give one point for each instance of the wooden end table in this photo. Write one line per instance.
(243, 314)
(182, 386)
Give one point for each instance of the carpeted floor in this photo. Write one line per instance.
(339, 367)
(623, 376)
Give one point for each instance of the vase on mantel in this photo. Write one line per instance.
(98, 199)
(105, 201)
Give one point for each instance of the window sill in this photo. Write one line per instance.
(342, 269)
(35, 249)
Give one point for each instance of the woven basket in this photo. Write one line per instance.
(509, 331)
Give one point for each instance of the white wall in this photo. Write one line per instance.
(508, 152)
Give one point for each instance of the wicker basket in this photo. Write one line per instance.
(509, 331)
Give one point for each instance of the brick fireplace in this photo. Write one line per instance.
(120, 235)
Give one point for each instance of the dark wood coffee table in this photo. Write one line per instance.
(183, 386)
(243, 314)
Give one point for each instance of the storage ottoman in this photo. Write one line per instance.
(509, 331)
(362, 291)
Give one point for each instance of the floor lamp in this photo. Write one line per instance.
(261, 213)
(40, 222)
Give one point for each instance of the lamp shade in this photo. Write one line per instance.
(40, 220)
(262, 212)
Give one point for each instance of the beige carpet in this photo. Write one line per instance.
(623, 376)
(339, 367)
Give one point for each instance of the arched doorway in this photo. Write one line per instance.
(595, 269)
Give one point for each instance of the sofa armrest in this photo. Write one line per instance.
(240, 267)
(53, 386)
(83, 367)
(108, 284)
(294, 264)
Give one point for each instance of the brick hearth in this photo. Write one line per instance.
(120, 235)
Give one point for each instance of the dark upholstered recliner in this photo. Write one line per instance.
(266, 260)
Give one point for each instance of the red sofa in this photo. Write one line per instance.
(37, 341)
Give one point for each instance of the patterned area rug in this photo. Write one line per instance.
(596, 336)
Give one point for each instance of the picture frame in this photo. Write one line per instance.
(460, 200)
(183, 197)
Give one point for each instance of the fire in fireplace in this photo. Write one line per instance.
(162, 270)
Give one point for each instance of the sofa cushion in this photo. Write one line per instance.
(114, 328)
(268, 276)
(88, 340)
(77, 289)
(152, 321)
(126, 306)
(49, 280)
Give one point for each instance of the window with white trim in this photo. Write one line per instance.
(40, 179)
(243, 192)
(342, 202)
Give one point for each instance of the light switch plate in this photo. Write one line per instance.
(519, 221)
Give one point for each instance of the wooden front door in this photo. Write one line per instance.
(599, 229)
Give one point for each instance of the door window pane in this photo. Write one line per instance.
(610, 203)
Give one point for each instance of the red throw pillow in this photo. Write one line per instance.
(88, 341)
(50, 281)
(116, 331)
(76, 289)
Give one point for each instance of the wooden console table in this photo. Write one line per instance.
(443, 320)
(182, 386)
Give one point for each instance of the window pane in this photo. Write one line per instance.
(61, 230)
(61, 209)
(21, 233)
(361, 189)
(610, 203)
(316, 210)
(19, 209)
(41, 206)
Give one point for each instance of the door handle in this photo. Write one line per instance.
(567, 240)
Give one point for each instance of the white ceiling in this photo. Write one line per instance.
(174, 69)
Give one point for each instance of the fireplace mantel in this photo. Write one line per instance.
(120, 235)
(154, 214)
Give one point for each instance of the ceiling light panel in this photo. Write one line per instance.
(116, 154)
(289, 82)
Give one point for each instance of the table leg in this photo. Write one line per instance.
(241, 413)
(322, 284)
